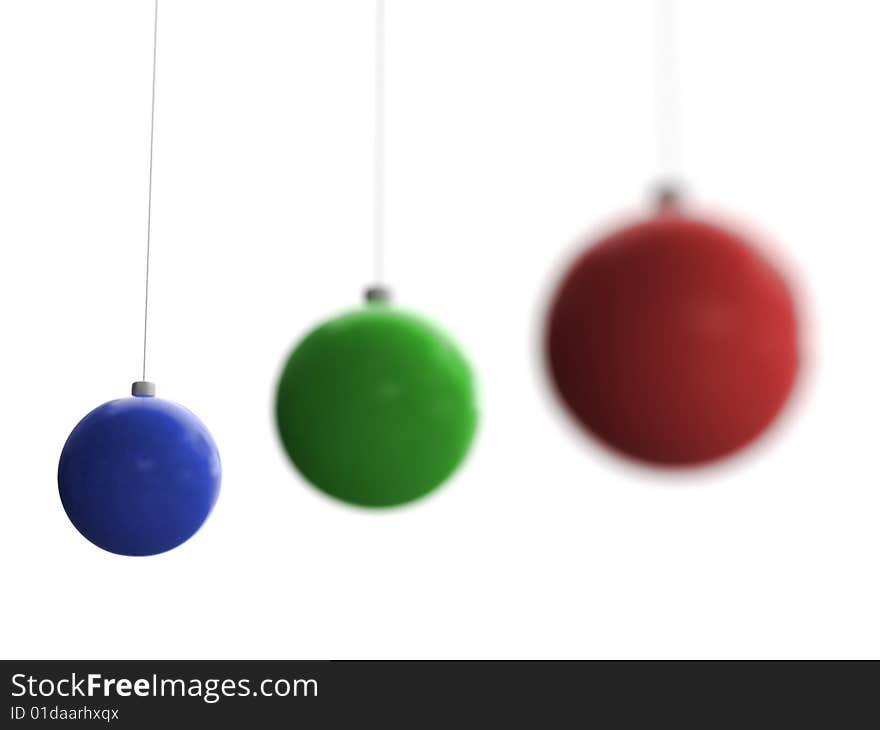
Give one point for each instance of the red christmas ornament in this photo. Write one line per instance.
(673, 340)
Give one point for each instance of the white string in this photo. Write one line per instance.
(667, 90)
(150, 187)
(379, 148)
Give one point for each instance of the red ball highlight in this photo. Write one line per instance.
(673, 341)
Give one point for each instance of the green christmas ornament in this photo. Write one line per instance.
(376, 407)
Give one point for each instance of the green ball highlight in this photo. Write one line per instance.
(376, 407)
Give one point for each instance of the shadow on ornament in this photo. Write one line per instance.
(376, 407)
(139, 476)
(673, 341)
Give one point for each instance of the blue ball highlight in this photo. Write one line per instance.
(139, 475)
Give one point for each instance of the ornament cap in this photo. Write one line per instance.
(668, 195)
(143, 389)
(377, 293)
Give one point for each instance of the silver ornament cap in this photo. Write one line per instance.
(143, 389)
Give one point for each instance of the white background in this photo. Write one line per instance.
(514, 127)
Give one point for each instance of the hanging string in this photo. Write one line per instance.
(150, 186)
(667, 91)
(379, 149)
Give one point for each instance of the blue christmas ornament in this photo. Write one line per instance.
(139, 475)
